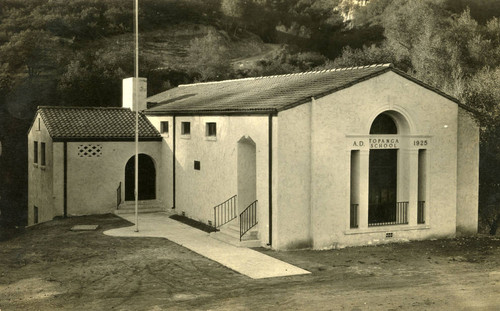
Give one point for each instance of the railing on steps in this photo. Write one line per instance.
(225, 212)
(119, 195)
(248, 218)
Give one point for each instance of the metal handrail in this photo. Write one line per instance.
(119, 195)
(398, 216)
(248, 218)
(225, 212)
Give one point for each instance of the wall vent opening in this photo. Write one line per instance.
(388, 234)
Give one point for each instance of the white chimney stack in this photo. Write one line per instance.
(128, 93)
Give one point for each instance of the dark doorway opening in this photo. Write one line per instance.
(383, 186)
(147, 178)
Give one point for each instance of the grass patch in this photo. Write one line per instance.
(193, 223)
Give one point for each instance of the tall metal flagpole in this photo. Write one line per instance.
(136, 101)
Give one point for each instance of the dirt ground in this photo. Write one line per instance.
(49, 267)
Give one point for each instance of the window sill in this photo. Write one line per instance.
(211, 138)
(391, 228)
(35, 165)
(42, 167)
(164, 135)
(185, 136)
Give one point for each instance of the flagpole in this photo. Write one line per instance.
(136, 101)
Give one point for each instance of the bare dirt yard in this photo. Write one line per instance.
(49, 267)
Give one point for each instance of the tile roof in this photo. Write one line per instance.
(262, 94)
(265, 95)
(95, 123)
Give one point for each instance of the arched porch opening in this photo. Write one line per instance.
(386, 181)
(146, 176)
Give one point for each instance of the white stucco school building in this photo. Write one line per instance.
(313, 160)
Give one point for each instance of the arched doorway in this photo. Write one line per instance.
(147, 178)
(383, 171)
(247, 173)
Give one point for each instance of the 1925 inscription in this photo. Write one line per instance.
(420, 142)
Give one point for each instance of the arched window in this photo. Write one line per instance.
(383, 124)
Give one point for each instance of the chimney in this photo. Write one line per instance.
(128, 93)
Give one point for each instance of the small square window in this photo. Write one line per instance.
(164, 127)
(35, 152)
(42, 154)
(211, 129)
(197, 165)
(185, 128)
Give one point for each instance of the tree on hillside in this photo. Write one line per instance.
(208, 57)
(368, 55)
(35, 51)
(94, 78)
(233, 11)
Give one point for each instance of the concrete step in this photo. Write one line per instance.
(229, 230)
(220, 236)
(230, 233)
(149, 206)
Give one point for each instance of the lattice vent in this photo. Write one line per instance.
(89, 151)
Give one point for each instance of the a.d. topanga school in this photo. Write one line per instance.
(316, 160)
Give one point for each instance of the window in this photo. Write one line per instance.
(35, 152)
(89, 151)
(164, 127)
(383, 124)
(211, 129)
(185, 128)
(38, 124)
(197, 165)
(42, 153)
(35, 214)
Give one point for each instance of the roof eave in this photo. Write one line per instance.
(214, 112)
(103, 139)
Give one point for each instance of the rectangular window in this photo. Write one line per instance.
(355, 173)
(164, 127)
(197, 165)
(35, 152)
(422, 179)
(35, 215)
(42, 153)
(211, 129)
(185, 128)
(38, 124)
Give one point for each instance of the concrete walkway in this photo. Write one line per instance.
(243, 260)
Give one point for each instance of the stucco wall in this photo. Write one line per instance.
(40, 178)
(335, 120)
(468, 174)
(165, 174)
(293, 208)
(198, 191)
(93, 181)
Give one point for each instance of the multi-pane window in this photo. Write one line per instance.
(185, 128)
(42, 153)
(164, 127)
(35, 152)
(211, 129)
